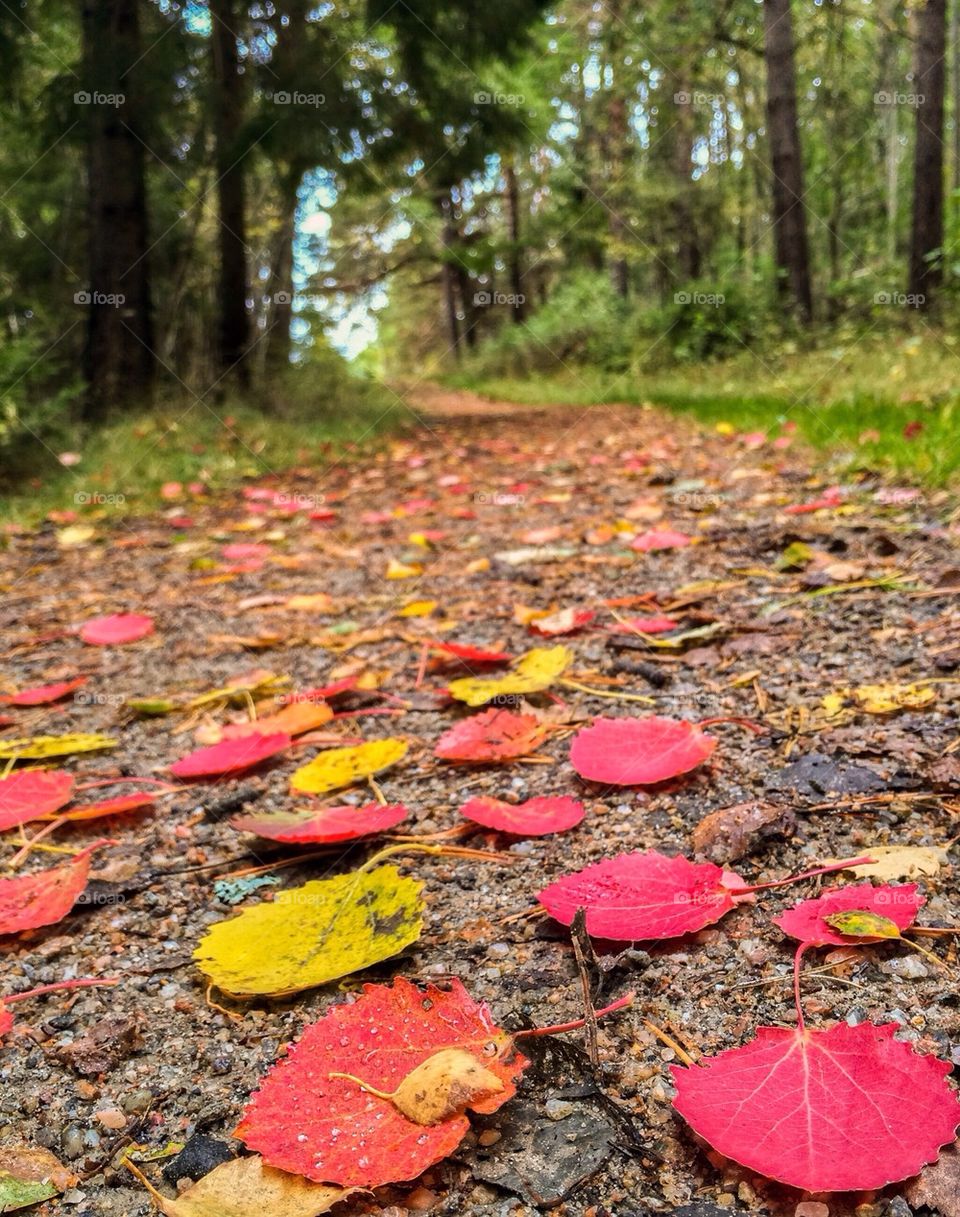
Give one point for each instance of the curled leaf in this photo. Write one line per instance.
(534, 818)
(339, 767)
(231, 756)
(324, 826)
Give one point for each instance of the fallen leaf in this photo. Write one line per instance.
(42, 747)
(116, 630)
(837, 1110)
(29, 1176)
(807, 922)
(339, 767)
(731, 833)
(889, 698)
(659, 538)
(471, 654)
(231, 756)
(899, 862)
(567, 621)
(642, 896)
(494, 735)
(534, 818)
(42, 695)
(532, 673)
(33, 793)
(325, 826)
(639, 751)
(304, 1120)
(294, 719)
(44, 897)
(247, 1187)
(312, 934)
(109, 807)
(643, 625)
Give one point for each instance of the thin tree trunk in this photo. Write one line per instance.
(234, 325)
(280, 312)
(926, 234)
(119, 358)
(512, 201)
(789, 217)
(449, 278)
(617, 151)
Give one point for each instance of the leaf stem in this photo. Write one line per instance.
(577, 1023)
(846, 864)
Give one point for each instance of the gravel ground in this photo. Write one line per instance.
(569, 487)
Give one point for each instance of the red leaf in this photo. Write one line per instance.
(644, 896)
(110, 807)
(328, 1129)
(46, 896)
(659, 538)
(639, 751)
(846, 1109)
(535, 818)
(325, 826)
(117, 629)
(472, 654)
(567, 621)
(494, 735)
(231, 756)
(643, 625)
(805, 921)
(41, 695)
(6, 1020)
(830, 498)
(33, 793)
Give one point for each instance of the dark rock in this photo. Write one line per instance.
(198, 1157)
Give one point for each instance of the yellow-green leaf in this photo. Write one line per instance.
(29, 1176)
(313, 934)
(860, 923)
(532, 673)
(339, 767)
(888, 698)
(247, 1187)
(39, 747)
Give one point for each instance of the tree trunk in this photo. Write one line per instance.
(280, 312)
(233, 321)
(449, 276)
(617, 151)
(926, 233)
(515, 268)
(119, 359)
(791, 250)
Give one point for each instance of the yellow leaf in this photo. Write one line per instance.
(418, 608)
(477, 566)
(532, 673)
(403, 570)
(313, 934)
(861, 923)
(523, 614)
(247, 1187)
(339, 767)
(75, 535)
(38, 747)
(316, 602)
(898, 862)
(888, 698)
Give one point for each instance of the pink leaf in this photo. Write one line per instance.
(662, 538)
(29, 794)
(116, 630)
(641, 896)
(805, 921)
(326, 826)
(42, 695)
(535, 818)
(231, 756)
(846, 1109)
(639, 751)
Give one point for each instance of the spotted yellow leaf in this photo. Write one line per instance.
(39, 747)
(861, 923)
(313, 934)
(339, 767)
(888, 698)
(532, 673)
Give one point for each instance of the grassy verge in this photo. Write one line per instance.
(894, 407)
(122, 466)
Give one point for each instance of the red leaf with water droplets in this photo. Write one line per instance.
(805, 921)
(117, 629)
(639, 751)
(44, 897)
(642, 896)
(659, 538)
(567, 621)
(845, 1109)
(535, 818)
(232, 756)
(42, 695)
(330, 1130)
(325, 826)
(643, 625)
(33, 793)
(470, 654)
(494, 735)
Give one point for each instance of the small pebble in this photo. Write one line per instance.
(422, 1200)
(112, 1118)
(811, 1208)
(489, 1136)
(558, 1109)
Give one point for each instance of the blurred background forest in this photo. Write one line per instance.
(255, 216)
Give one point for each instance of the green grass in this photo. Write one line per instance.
(854, 403)
(124, 464)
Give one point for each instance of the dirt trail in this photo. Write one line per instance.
(789, 592)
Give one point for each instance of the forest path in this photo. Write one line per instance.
(779, 591)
